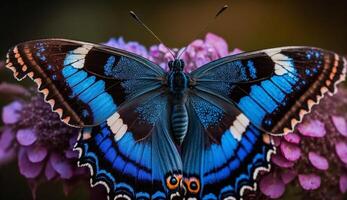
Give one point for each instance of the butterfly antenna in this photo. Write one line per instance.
(133, 15)
(220, 11)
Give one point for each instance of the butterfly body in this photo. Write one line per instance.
(178, 83)
(134, 114)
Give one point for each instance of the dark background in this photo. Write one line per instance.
(248, 25)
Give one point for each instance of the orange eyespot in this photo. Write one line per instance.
(173, 181)
(193, 185)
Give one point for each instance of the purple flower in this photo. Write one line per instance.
(292, 138)
(26, 137)
(280, 161)
(7, 149)
(309, 181)
(272, 186)
(43, 142)
(341, 151)
(314, 128)
(131, 46)
(314, 157)
(160, 55)
(290, 151)
(340, 124)
(10, 112)
(288, 176)
(343, 183)
(200, 52)
(318, 161)
(196, 54)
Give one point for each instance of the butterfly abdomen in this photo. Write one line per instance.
(178, 83)
(179, 122)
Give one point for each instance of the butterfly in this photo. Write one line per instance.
(152, 134)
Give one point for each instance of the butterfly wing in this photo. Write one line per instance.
(274, 88)
(83, 82)
(223, 151)
(119, 100)
(236, 100)
(133, 168)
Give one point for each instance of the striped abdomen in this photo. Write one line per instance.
(179, 122)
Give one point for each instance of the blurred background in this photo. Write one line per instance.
(248, 25)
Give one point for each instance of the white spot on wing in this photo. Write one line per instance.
(117, 126)
(112, 119)
(239, 126)
(76, 57)
(121, 132)
(283, 64)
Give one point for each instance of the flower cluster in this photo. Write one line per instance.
(196, 54)
(42, 142)
(310, 162)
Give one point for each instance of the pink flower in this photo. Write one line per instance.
(309, 181)
(200, 52)
(42, 142)
(340, 124)
(10, 113)
(290, 151)
(314, 128)
(314, 157)
(341, 150)
(343, 183)
(318, 161)
(272, 186)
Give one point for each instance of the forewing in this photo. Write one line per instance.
(83, 82)
(274, 88)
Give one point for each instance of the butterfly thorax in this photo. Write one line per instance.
(178, 83)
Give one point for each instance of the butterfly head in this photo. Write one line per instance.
(176, 65)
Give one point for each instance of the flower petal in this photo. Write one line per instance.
(318, 161)
(290, 151)
(313, 128)
(6, 155)
(10, 112)
(71, 154)
(26, 137)
(288, 176)
(27, 168)
(280, 161)
(292, 138)
(343, 183)
(13, 90)
(277, 140)
(341, 150)
(309, 181)
(6, 138)
(219, 44)
(272, 186)
(37, 154)
(61, 166)
(236, 51)
(340, 124)
(50, 172)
